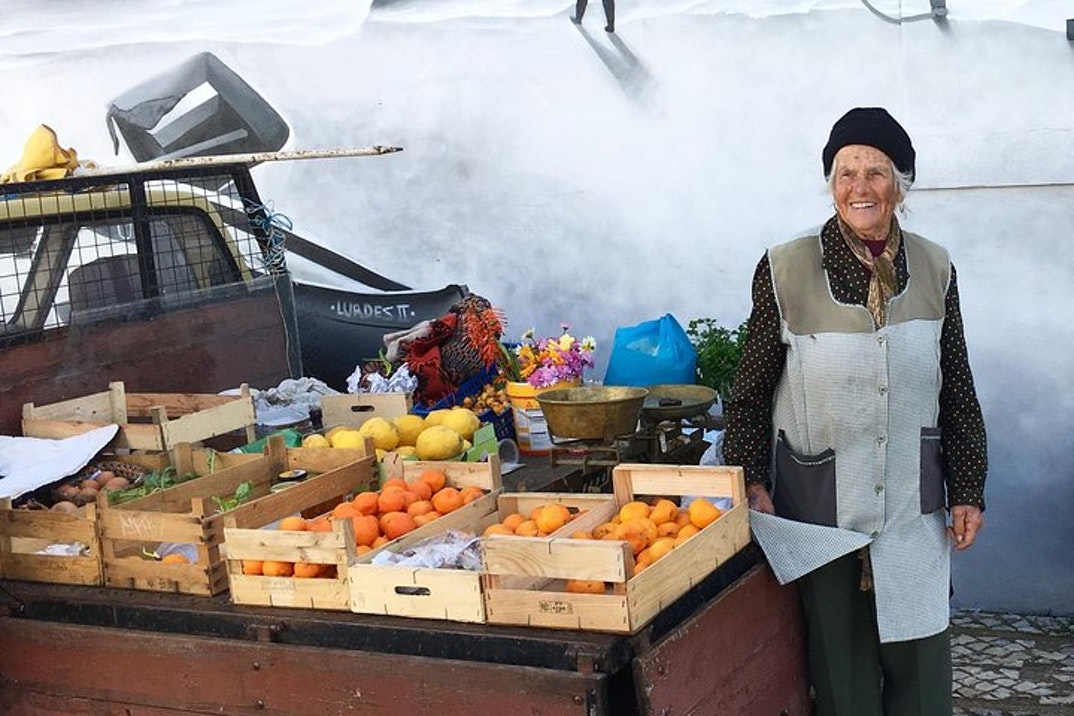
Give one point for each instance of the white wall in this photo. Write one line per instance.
(569, 175)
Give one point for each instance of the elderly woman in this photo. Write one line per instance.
(855, 417)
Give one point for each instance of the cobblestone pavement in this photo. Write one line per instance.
(1012, 665)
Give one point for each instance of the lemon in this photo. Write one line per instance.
(316, 440)
(380, 454)
(348, 438)
(409, 427)
(407, 452)
(384, 434)
(438, 442)
(463, 421)
(436, 417)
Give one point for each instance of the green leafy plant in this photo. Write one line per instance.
(242, 493)
(151, 482)
(718, 352)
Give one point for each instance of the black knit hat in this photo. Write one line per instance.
(874, 127)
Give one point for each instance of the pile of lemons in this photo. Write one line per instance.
(441, 435)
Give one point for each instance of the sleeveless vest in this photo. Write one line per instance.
(857, 443)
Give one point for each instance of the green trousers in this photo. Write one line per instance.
(853, 674)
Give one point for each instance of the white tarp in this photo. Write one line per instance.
(29, 463)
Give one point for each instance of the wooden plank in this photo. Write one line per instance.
(95, 408)
(23, 533)
(354, 409)
(743, 653)
(203, 675)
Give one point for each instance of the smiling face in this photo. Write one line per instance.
(865, 190)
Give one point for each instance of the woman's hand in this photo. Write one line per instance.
(966, 522)
(759, 499)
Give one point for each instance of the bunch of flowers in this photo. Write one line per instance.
(547, 361)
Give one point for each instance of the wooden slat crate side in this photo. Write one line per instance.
(235, 414)
(149, 575)
(25, 532)
(176, 404)
(354, 409)
(95, 408)
(557, 610)
(558, 558)
(151, 526)
(316, 460)
(424, 593)
(219, 484)
(335, 547)
(325, 487)
(54, 569)
(486, 475)
(630, 480)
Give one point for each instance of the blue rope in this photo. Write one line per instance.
(273, 225)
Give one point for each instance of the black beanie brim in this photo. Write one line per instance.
(873, 127)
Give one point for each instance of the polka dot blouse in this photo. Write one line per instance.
(748, 438)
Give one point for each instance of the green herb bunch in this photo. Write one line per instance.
(719, 350)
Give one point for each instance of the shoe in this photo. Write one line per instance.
(575, 20)
(609, 28)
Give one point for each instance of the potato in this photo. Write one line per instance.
(66, 507)
(117, 483)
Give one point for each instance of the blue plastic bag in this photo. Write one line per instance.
(652, 353)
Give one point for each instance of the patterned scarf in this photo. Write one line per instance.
(883, 283)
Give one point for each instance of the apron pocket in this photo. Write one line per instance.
(932, 482)
(805, 485)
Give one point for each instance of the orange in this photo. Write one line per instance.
(307, 570)
(513, 520)
(635, 533)
(634, 510)
(344, 510)
(425, 519)
(277, 569)
(366, 502)
(551, 517)
(447, 500)
(251, 566)
(685, 533)
(423, 489)
(585, 586)
(419, 507)
(394, 482)
(397, 524)
(498, 529)
(362, 549)
(527, 529)
(379, 542)
(661, 547)
(582, 534)
(293, 523)
(319, 524)
(436, 479)
(174, 558)
(651, 530)
(668, 529)
(703, 513)
(682, 518)
(643, 558)
(392, 499)
(602, 530)
(471, 493)
(664, 511)
(366, 529)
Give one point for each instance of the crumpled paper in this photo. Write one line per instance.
(449, 550)
(400, 381)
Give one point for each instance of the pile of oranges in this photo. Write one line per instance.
(377, 517)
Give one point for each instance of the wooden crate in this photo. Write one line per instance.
(147, 421)
(633, 600)
(187, 514)
(337, 547)
(354, 409)
(426, 592)
(24, 533)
